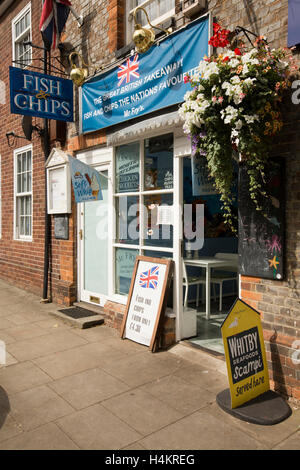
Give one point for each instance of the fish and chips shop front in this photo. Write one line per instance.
(157, 200)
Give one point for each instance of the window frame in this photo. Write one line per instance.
(142, 192)
(18, 196)
(16, 40)
(155, 21)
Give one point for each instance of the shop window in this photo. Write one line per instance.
(159, 163)
(127, 168)
(159, 224)
(158, 12)
(127, 208)
(23, 193)
(21, 33)
(143, 203)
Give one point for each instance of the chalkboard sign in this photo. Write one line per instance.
(147, 300)
(61, 226)
(261, 237)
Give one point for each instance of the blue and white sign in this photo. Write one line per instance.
(40, 95)
(85, 181)
(145, 82)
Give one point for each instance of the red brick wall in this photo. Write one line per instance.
(22, 263)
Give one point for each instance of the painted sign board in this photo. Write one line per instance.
(40, 95)
(145, 82)
(146, 300)
(245, 354)
(85, 181)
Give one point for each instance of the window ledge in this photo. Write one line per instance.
(118, 299)
(23, 240)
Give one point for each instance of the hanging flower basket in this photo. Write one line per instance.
(233, 112)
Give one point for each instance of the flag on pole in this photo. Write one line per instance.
(54, 17)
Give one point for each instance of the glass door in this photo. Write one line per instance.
(94, 246)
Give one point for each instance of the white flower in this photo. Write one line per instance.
(234, 136)
(235, 79)
(206, 69)
(249, 81)
(239, 124)
(245, 69)
(246, 58)
(233, 63)
(187, 95)
(282, 65)
(229, 114)
(250, 119)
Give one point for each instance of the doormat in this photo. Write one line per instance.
(78, 312)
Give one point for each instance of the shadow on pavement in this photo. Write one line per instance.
(4, 406)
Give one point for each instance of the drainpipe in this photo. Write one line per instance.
(46, 142)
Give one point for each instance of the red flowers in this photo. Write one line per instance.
(237, 51)
(220, 37)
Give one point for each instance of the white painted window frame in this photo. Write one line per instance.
(17, 236)
(15, 39)
(141, 193)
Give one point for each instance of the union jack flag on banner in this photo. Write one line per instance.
(54, 17)
(149, 278)
(129, 70)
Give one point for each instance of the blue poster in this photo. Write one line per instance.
(145, 82)
(40, 95)
(85, 181)
(294, 23)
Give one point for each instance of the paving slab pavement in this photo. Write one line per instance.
(67, 388)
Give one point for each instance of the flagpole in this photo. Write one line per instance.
(79, 18)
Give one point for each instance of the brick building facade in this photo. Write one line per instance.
(103, 40)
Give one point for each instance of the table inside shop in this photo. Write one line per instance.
(208, 263)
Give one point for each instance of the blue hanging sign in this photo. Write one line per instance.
(145, 82)
(40, 95)
(85, 181)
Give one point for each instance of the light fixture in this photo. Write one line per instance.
(144, 38)
(78, 74)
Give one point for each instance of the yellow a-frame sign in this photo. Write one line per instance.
(245, 354)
